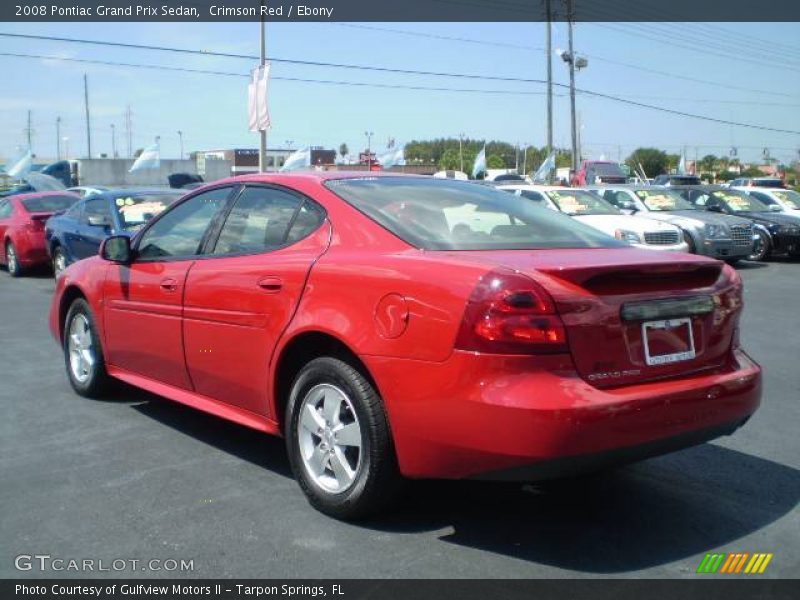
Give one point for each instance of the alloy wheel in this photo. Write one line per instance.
(82, 357)
(11, 259)
(329, 436)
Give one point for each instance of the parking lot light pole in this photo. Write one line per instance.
(461, 150)
(262, 151)
(180, 137)
(369, 135)
(571, 62)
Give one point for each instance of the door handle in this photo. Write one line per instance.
(169, 284)
(270, 284)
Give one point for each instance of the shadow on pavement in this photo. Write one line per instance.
(640, 516)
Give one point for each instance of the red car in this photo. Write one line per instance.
(593, 172)
(22, 219)
(397, 327)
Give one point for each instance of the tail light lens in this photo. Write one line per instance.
(509, 313)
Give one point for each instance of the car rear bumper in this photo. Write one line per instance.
(532, 417)
(31, 250)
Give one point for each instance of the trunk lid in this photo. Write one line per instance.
(605, 296)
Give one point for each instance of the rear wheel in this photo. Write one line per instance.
(339, 442)
(83, 354)
(59, 261)
(762, 247)
(12, 260)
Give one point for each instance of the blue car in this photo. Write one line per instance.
(78, 232)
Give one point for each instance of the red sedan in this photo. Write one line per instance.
(408, 327)
(22, 219)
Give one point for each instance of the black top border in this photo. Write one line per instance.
(400, 10)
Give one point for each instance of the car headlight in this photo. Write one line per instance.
(628, 236)
(717, 231)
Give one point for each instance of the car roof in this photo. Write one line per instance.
(135, 192)
(29, 195)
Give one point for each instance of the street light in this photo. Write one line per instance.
(461, 150)
(66, 147)
(289, 144)
(369, 135)
(574, 62)
(180, 137)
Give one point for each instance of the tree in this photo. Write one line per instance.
(343, 149)
(708, 162)
(450, 160)
(494, 161)
(653, 161)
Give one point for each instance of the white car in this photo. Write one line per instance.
(787, 200)
(600, 214)
(85, 190)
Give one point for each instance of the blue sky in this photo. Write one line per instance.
(211, 110)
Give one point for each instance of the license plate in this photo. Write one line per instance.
(667, 341)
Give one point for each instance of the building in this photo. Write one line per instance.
(243, 160)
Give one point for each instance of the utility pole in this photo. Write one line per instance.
(128, 126)
(572, 90)
(369, 135)
(58, 138)
(262, 151)
(180, 137)
(461, 150)
(113, 142)
(29, 132)
(549, 52)
(86, 106)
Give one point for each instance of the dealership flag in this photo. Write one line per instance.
(392, 157)
(543, 172)
(150, 158)
(257, 107)
(18, 168)
(299, 159)
(682, 166)
(480, 163)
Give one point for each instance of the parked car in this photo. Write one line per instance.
(22, 218)
(776, 232)
(787, 201)
(86, 190)
(592, 210)
(78, 232)
(770, 182)
(591, 172)
(314, 306)
(669, 180)
(721, 236)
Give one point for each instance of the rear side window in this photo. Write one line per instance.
(180, 231)
(264, 219)
(440, 214)
(49, 203)
(5, 209)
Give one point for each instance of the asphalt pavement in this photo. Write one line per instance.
(138, 478)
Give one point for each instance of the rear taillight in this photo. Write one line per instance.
(509, 313)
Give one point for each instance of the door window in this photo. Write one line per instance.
(180, 230)
(5, 209)
(96, 212)
(263, 219)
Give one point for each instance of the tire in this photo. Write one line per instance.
(59, 261)
(83, 354)
(689, 242)
(12, 260)
(762, 248)
(348, 478)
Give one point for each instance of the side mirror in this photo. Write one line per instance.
(98, 221)
(117, 249)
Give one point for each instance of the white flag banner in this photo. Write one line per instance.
(257, 99)
(480, 163)
(150, 158)
(543, 172)
(392, 157)
(19, 167)
(299, 159)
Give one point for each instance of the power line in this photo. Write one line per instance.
(454, 75)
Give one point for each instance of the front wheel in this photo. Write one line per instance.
(762, 247)
(12, 260)
(83, 354)
(338, 439)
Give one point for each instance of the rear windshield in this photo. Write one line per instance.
(49, 203)
(664, 200)
(606, 170)
(579, 202)
(135, 211)
(770, 183)
(441, 214)
(688, 180)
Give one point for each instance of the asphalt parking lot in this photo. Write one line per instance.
(137, 477)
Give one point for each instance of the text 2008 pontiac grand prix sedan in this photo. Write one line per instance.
(398, 327)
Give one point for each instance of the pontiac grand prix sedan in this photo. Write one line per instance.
(394, 327)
